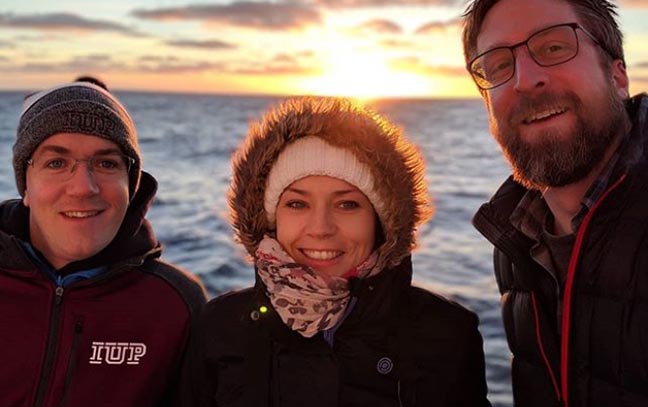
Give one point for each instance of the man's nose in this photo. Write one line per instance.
(82, 180)
(528, 76)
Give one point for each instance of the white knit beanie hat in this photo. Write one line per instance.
(311, 155)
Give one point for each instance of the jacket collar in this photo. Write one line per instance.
(377, 298)
(492, 219)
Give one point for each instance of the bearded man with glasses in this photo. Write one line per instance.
(89, 314)
(570, 226)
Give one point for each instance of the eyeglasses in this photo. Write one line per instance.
(60, 167)
(548, 47)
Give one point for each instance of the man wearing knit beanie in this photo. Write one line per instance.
(81, 282)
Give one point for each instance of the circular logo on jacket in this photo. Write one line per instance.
(385, 365)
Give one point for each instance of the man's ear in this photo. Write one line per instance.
(26, 198)
(620, 78)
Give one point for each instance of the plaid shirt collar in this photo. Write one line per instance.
(530, 215)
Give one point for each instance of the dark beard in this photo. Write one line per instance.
(554, 161)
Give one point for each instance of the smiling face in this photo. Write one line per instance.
(326, 224)
(76, 218)
(555, 124)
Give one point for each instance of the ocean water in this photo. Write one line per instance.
(187, 140)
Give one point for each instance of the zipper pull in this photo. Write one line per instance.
(59, 295)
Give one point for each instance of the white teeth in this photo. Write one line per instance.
(81, 214)
(322, 254)
(544, 114)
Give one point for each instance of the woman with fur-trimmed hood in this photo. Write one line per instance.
(326, 197)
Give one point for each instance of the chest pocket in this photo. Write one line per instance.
(303, 378)
(231, 381)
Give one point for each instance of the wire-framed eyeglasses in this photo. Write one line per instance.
(60, 167)
(548, 47)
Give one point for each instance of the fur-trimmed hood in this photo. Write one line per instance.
(396, 165)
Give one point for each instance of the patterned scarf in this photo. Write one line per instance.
(307, 302)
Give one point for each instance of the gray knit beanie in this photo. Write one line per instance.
(79, 107)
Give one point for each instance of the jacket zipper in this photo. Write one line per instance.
(569, 285)
(545, 359)
(50, 349)
(78, 329)
(48, 365)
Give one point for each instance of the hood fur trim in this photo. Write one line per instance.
(396, 165)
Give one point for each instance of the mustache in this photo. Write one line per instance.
(529, 106)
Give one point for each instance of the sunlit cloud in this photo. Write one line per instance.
(277, 70)
(641, 65)
(39, 38)
(384, 3)
(377, 26)
(438, 26)
(642, 4)
(63, 22)
(416, 65)
(181, 67)
(201, 44)
(6, 44)
(396, 43)
(158, 58)
(105, 63)
(300, 63)
(292, 57)
(260, 15)
(76, 65)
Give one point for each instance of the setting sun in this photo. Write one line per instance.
(364, 75)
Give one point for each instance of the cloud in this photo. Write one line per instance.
(158, 58)
(386, 3)
(96, 63)
(3, 58)
(285, 58)
(6, 44)
(265, 15)
(201, 44)
(438, 26)
(63, 22)
(100, 63)
(394, 43)
(280, 64)
(298, 63)
(276, 70)
(641, 65)
(40, 38)
(415, 64)
(378, 26)
(293, 58)
(186, 67)
(641, 4)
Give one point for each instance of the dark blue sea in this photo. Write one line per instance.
(187, 140)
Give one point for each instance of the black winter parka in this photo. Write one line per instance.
(400, 346)
(596, 355)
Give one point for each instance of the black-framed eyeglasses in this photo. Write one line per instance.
(60, 167)
(548, 47)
